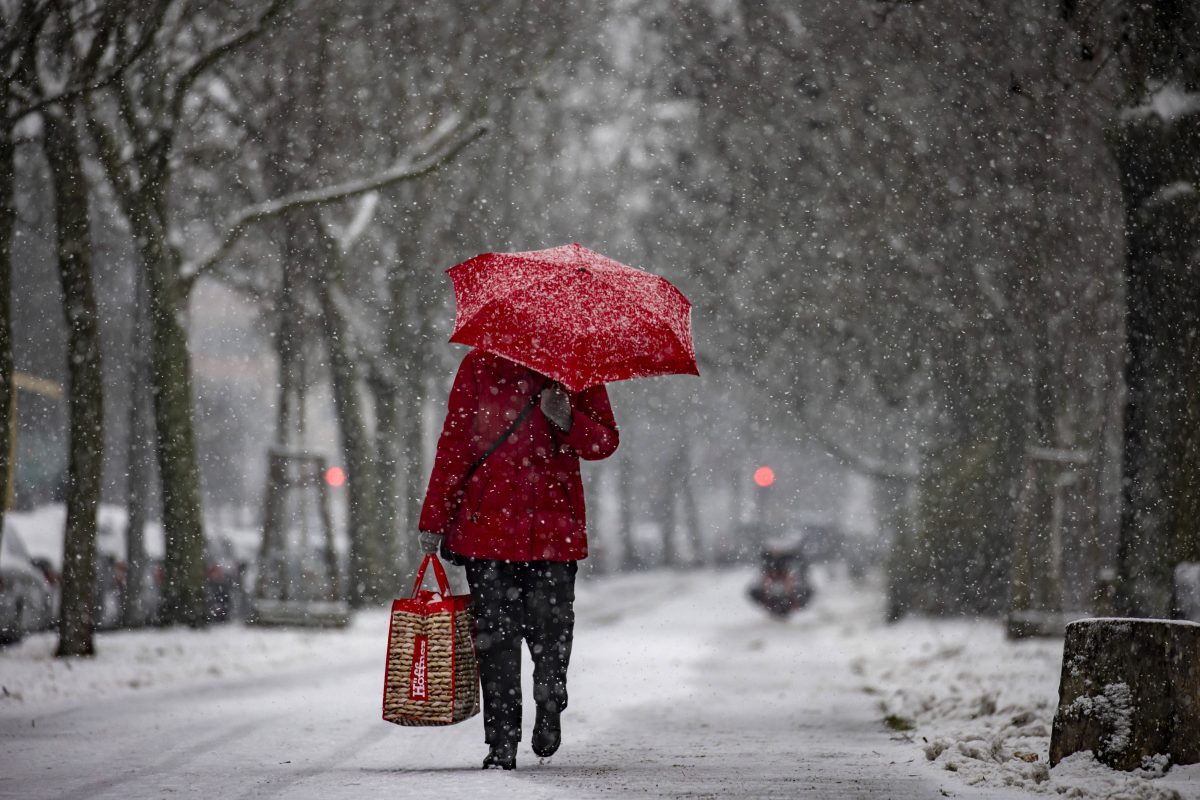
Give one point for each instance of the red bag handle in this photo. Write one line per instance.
(439, 572)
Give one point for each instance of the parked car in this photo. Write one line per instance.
(112, 573)
(224, 598)
(41, 530)
(28, 602)
(223, 585)
(108, 586)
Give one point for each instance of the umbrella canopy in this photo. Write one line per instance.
(573, 314)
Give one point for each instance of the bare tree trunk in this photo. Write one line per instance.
(408, 327)
(368, 556)
(895, 529)
(8, 216)
(687, 500)
(597, 561)
(371, 576)
(289, 341)
(629, 553)
(1160, 523)
(1157, 157)
(274, 581)
(171, 374)
(137, 474)
(414, 466)
(77, 617)
(388, 435)
(668, 518)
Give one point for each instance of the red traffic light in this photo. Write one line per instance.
(335, 476)
(764, 476)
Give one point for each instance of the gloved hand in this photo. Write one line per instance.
(430, 542)
(556, 405)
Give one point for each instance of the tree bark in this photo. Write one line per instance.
(388, 435)
(368, 556)
(415, 472)
(896, 531)
(1130, 690)
(1160, 525)
(137, 474)
(371, 581)
(290, 339)
(689, 510)
(1159, 160)
(171, 375)
(629, 553)
(668, 518)
(77, 622)
(8, 216)
(407, 333)
(139, 184)
(415, 461)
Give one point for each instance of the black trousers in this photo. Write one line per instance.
(515, 601)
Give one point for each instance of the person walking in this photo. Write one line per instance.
(505, 500)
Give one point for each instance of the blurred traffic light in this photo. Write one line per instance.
(335, 476)
(764, 476)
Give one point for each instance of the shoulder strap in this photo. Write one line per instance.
(516, 423)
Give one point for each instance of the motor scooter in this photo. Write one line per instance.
(782, 586)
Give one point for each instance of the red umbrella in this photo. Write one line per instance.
(573, 314)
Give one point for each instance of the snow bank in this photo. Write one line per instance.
(981, 707)
(149, 658)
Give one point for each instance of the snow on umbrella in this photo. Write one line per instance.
(573, 314)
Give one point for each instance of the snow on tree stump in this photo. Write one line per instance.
(1130, 690)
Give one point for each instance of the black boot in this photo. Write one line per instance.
(547, 733)
(501, 756)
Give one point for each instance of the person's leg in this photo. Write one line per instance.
(549, 630)
(496, 603)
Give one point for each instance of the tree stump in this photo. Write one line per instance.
(1130, 690)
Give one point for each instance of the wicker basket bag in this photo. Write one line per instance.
(432, 676)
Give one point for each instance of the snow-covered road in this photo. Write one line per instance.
(679, 689)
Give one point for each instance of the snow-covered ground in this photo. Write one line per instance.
(981, 707)
(679, 688)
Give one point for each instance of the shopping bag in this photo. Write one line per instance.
(432, 676)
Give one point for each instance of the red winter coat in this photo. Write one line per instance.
(525, 501)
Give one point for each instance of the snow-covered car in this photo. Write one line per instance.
(27, 600)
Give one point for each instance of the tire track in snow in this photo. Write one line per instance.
(177, 757)
(277, 786)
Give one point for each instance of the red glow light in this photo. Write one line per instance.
(335, 476)
(764, 476)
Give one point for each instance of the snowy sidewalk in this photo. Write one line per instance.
(679, 689)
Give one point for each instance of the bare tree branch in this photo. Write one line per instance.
(441, 147)
(107, 150)
(193, 71)
(91, 59)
